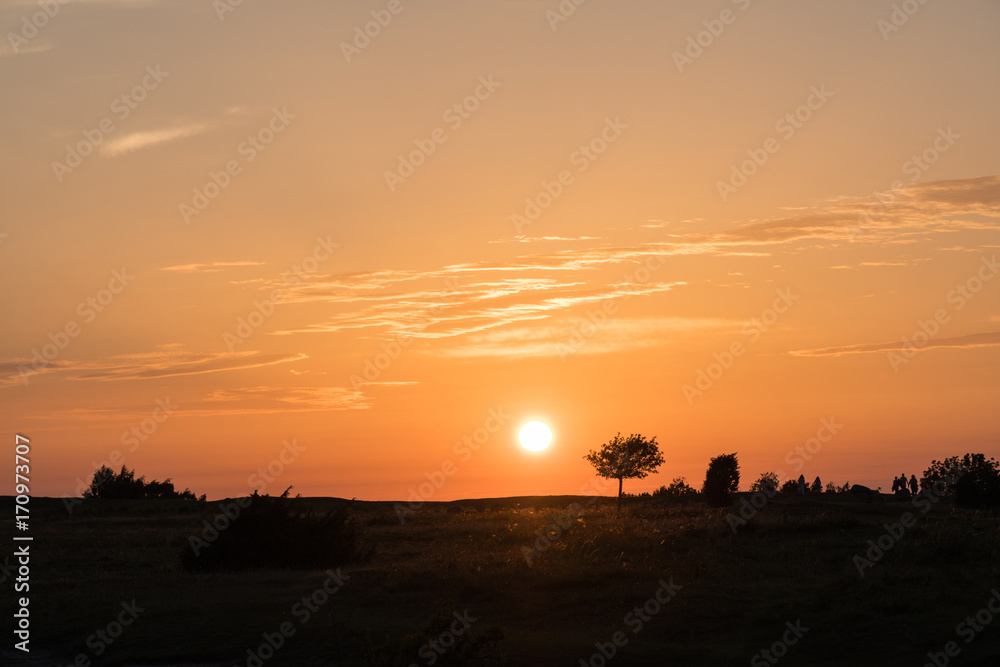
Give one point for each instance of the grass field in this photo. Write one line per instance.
(734, 594)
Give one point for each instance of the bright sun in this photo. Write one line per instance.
(534, 436)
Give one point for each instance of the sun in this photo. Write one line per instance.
(535, 436)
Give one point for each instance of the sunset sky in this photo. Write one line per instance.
(487, 213)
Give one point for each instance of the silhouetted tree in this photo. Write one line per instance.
(833, 488)
(817, 486)
(973, 478)
(721, 479)
(789, 488)
(621, 458)
(767, 483)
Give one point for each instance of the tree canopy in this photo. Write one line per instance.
(623, 458)
(721, 479)
(973, 479)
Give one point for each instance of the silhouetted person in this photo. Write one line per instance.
(914, 487)
(802, 485)
(895, 484)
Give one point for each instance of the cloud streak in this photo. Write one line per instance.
(146, 366)
(146, 139)
(988, 339)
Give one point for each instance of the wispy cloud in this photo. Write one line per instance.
(211, 267)
(580, 336)
(989, 339)
(139, 140)
(227, 402)
(290, 399)
(939, 206)
(151, 365)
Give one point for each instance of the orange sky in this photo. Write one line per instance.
(530, 218)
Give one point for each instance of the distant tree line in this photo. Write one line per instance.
(973, 479)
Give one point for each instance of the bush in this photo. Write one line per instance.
(767, 483)
(678, 489)
(721, 479)
(123, 485)
(280, 533)
(817, 486)
(789, 488)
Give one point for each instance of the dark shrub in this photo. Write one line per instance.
(278, 533)
(124, 485)
(678, 489)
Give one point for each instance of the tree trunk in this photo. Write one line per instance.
(620, 491)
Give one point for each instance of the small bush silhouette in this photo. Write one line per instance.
(280, 533)
(721, 479)
(817, 486)
(678, 489)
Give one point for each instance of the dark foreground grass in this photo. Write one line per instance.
(793, 562)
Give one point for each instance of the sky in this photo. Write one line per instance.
(352, 247)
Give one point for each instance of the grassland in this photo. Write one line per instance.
(792, 562)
